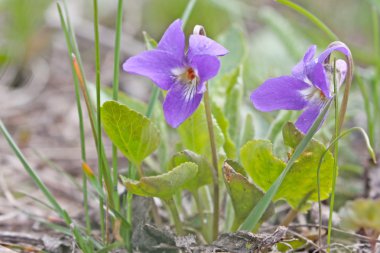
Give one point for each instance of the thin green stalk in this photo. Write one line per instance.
(116, 72)
(343, 134)
(214, 154)
(336, 150)
(132, 175)
(311, 17)
(175, 215)
(81, 125)
(102, 173)
(80, 75)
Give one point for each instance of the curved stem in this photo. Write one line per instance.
(335, 152)
(343, 134)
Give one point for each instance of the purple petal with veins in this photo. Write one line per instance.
(184, 75)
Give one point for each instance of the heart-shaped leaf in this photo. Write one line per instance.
(244, 195)
(264, 168)
(164, 185)
(134, 134)
(204, 174)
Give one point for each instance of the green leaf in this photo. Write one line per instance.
(135, 135)
(244, 195)
(204, 174)
(194, 133)
(264, 168)
(361, 214)
(229, 145)
(165, 185)
(237, 167)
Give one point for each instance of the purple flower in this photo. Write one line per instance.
(308, 88)
(183, 74)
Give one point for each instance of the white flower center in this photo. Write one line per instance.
(188, 77)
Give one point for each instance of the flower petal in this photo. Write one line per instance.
(318, 77)
(180, 102)
(173, 40)
(298, 71)
(341, 67)
(338, 46)
(307, 118)
(201, 45)
(283, 92)
(154, 64)
(207, 67)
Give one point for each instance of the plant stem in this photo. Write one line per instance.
(174, 211)
(336, 149)
(210, 127)
(132, 175)
(98, 119)
(116, 72)
(289, 217)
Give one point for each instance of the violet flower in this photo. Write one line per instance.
(184, 75)
(308, 88)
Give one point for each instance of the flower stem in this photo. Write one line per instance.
(177, 221)
(102, 172)
(214, 154)
(115, 86)
(335, 152)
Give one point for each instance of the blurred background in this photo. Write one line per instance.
(37, 101)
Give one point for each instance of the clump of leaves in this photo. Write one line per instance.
(264, 168)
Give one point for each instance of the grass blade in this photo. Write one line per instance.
(311, 17)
